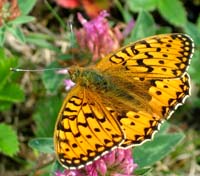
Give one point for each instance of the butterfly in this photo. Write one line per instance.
(121, 101)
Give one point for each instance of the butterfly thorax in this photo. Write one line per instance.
(89, 78)
(107, 87)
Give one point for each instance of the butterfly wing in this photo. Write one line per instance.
(160, 56)
(84, 130)
(149, 81)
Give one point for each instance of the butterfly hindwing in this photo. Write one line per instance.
(166, 95)
(85, 129)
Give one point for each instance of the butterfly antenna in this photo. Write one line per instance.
(35, 70)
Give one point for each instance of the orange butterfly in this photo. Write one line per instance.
(121, 101)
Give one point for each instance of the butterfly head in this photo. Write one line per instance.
(75, 73)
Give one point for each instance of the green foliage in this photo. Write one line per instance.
(26, 6)
(143, 171)
(22, 20)
(10, 92)
(173, 12)
(194, 32)
(51, 80)
(194, 68)
(140, 5)
(125, 13)
(42, 40)
(9, 144)
(44, 145)
(198, 22)
(45, 115)
(13, 25)
(17, 33)
(144, 21)
(57, 167)
(155, 150)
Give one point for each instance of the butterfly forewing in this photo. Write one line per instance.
(161, 56)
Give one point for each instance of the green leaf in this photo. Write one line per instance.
(152, 151)
(9, 144)
(26, 6)
(51, 79)
(163, 30)
(11, 92)
(198, 22)
(173, 11)
(44, 145)
(164, 128)
(5, 65)
(142, 171)
(21, 20)
(194, 32)
(194, 67)
(144, 21)
(46, 114)
(4, 105)
(2, 54)
(57, 167)
(125, 13)
(195, 101)
(41, 41)
(2, 35)
(16, 31)
(139, 5)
